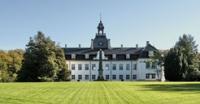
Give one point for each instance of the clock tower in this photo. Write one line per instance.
(100, 41)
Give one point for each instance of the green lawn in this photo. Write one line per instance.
(100, 93)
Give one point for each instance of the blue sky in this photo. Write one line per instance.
(74, 22)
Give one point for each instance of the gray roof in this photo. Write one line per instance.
(106, 51)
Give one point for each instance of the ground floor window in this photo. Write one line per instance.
(153, 76)
(93, 77)
(127, 77)
(147, 76)
(114, 77)
(121, 77)
(86, 77)
(79, 77)
(107, 77)
(134, 76)
(73, 76)
(150, 75)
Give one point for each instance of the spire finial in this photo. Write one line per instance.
(100, 16)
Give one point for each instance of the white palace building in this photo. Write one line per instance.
(100, 60)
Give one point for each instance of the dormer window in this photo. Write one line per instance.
(151, 53)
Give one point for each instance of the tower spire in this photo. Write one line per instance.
(100, 26)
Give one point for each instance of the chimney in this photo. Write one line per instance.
(136, 46)
(79, 45)
(65, 45)
(109, 46)
(147, 43)
(92, 45)
(121, 45)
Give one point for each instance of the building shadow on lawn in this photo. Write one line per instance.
(194, 87)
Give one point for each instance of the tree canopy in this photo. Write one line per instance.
(181, 62)
(10, 64)
(43, 61)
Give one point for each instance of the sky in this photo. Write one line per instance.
(73, 22)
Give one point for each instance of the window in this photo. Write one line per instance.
(134, 76)
(93, 66)
(147, 65)
(93, 77)
(151, 53)
(79, 66)
(121, 77)
(114, 67)
(147, 76)
(153, 65)
(73, 66)
(73, 76)
(153, 76)
(127, 77)
(135, 67)
(107, 66)
(86, 77)
(79, 77)
(107, 77)
(86, 66)
(120, 66)
(127, 66)
(114, 77)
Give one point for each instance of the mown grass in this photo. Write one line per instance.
(100, 93)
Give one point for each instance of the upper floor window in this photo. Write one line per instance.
(107, 66)
(86, 66)
(79, 66)
(147, 65)
(153, 66)
(120, 66)
(114, 67)
(73, 66)
(93, 66)
(135, 67)
(127, 66)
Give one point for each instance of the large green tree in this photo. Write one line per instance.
(181, 62)
(43, 60)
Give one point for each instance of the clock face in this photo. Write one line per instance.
(100, 43)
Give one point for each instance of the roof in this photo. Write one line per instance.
(106, 51)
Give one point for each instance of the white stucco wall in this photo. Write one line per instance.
(140, 71)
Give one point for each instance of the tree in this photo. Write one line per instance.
(42, 60)
(172, 64)
(64, 73)
(181, 61)
(10, 64)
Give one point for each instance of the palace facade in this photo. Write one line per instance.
(111, 63)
